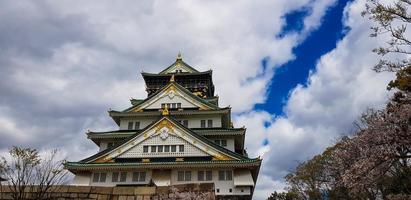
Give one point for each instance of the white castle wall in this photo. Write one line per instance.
(144, 121)
(193, 121)
(189, 149)
(223, 186)
(167, 99)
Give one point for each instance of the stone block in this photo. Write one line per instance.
(162, 190)
(83, 195)
(144, 190)
(30, 189)
(123, 190)
(54, 195)
(93, 196)
(6, 189)
(146, 198)
(58, 188)
(122, 197)
(102, 190)
(102, 197)
(79, 189)
(130, 198)
(139, 197)
(5, 196)
(65, 195)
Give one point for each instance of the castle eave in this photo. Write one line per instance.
(248, 163)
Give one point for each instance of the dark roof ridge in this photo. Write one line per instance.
(178, 74)
(178, 61)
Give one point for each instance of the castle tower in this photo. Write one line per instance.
(178, 135)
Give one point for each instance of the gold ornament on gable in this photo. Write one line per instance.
(165, 123)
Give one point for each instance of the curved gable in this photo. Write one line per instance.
(176, 135)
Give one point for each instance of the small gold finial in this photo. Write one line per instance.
(179, 57)
(165, 110)
(172, 78)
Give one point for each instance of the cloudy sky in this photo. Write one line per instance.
(296, 73)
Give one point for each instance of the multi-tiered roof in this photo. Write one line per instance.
(195, 91)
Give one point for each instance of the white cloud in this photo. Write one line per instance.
(64, 64)
(342, 86)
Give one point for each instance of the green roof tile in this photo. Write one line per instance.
(196, 135)
(217, 163)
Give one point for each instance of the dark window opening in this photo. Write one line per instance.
(130, 125)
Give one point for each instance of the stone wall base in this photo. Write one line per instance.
(190, 191)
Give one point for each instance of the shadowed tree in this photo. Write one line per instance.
(27, 171)
(381, 152)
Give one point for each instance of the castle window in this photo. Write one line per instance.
(136, 125)
(178, 105)
(200, 175)
(119, 177)
(167, 148)
(187, 176)
(210, 123)
(173, 148)
(184, 176)
(209, 175)
(139, 176)
(99, 177)
(225, 175)
(180, 176)
(114, 177)
(181, 148)
(184, 122)
(130, 125)
(153, 149)
(145, 149)
(222, 143)
(205, 175)
(160, 148)
(123, 176)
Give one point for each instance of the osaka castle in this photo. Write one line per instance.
(178, 135)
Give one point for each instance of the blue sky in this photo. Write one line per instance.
(296, 71)
(291, 71)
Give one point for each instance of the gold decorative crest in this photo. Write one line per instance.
(165, 123)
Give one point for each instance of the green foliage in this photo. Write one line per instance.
(289, 195)
(402, 81)
(318, 177)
